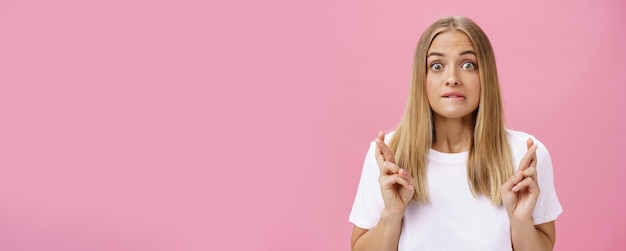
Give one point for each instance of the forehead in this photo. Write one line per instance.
(453, 40)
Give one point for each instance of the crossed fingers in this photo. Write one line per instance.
(527, 171)
(389, 170)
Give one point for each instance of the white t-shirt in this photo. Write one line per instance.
(454, 219)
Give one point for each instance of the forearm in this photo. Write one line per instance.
(383, 237)
(526, 236)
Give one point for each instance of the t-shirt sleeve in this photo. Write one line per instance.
(548, 207)
(368, 203)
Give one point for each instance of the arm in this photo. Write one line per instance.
(384, 236)
(527, 236)
(519, 196)
(397, 188)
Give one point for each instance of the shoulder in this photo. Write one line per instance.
(517, 142)
(519, 138)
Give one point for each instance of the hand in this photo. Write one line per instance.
(520, 192)
(396, 184)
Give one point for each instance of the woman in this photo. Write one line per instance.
(451, 177)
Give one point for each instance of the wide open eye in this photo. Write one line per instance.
(436, 67)
(468, 66)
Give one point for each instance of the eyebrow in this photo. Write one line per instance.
(441, 54)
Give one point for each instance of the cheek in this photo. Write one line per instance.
(476, 92)
(431, 85)
(472, 82)
(475, 87)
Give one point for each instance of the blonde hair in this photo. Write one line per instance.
(490, 162)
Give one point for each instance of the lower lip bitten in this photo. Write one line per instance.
(455, 97)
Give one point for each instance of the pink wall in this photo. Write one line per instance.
(187, 125)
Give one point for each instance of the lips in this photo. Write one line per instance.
(456, 95)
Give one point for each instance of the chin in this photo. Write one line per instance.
(454, 114)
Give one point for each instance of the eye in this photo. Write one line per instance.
(468, 66)
(436, 67)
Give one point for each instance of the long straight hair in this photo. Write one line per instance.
(490, 161)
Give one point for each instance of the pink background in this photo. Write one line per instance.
(187, 125)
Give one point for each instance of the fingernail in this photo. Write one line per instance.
(411, 187)
(404, 173)
(515, 188)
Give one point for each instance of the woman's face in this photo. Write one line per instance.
(452, 79)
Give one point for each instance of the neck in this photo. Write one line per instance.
(453, 135)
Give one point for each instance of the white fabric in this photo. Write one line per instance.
(455, 219)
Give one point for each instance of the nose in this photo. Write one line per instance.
(451, 77)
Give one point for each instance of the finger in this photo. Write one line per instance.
(406, 175)
(526, 182)
(388, 182)
(379, 157)
(528, 158)
(530, 172)
(381, 135)
(389, 168)
(508, 185)
(530, 143)
(533, 188)
(386, 151)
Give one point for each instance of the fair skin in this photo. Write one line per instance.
(453, 90)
